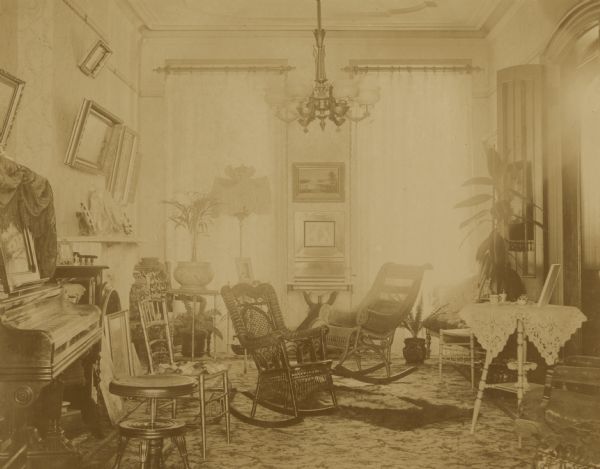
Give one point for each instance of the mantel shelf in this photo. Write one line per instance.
(104, 239)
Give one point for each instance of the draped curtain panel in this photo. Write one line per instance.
(410, 159)
(216, 120)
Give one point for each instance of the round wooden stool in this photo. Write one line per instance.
(151, 430)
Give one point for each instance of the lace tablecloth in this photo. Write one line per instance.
(548, 327)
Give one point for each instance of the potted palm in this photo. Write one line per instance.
(415, 350)
(497, 272)
(194, 211)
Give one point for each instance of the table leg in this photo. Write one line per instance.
(482, 386)
(213, 321)
(203, 416)
(194, 306)
(520, 361)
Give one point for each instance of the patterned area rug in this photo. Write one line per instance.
(417, 422)
(394, 412)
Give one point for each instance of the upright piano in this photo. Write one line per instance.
(43, 338)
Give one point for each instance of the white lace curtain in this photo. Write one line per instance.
(217, 119)
(411, 158)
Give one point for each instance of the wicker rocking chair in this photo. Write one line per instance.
(371, 327)
(284, 386)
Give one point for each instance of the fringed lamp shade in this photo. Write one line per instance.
(239, 194)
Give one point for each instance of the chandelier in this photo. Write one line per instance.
(347, 101)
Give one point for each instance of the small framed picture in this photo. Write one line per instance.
(18, 262)
(96, 58)
(244, 269)
(318, 182)
(65, 253)
(11, 89)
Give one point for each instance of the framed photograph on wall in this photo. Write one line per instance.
(18, 266)
(123, 169)
(88, 147)
(318, 182)
(11, 89)
(244, 269)
(95, 59)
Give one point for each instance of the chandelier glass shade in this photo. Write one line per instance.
(323, 101)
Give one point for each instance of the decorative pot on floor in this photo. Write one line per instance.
(193, 275)
(201, 343)
(414, 350)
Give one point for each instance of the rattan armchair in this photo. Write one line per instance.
(285, 386)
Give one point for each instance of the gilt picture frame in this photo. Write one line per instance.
(244, 269)
(123, 168)
(11, 90)
(89, 144)
(18, 262)
(116, 330)
(318, 182)
(95, 59)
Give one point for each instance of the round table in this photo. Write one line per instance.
(151, 431)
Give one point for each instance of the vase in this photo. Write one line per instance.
(201, 343)
(193, 275)
(414, 350)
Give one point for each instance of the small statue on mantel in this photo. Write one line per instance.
(102, 216)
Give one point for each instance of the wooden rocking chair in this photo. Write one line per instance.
(371, 327)
(283, 386)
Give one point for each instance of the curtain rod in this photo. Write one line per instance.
(409, 68)
(224, 68)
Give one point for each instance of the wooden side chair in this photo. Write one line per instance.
(459, 347)
(213, 385)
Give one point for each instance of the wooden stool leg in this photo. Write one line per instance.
(180, 443)
(120, 451)
(154, 459)
(143, 453)
(226, 398)
(482, 385)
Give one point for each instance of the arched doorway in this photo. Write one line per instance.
(573, 165)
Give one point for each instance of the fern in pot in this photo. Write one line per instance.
(194, 212)
(415, 347)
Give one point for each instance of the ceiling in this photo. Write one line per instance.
(344, 15)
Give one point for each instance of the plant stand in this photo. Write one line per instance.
(194, 296)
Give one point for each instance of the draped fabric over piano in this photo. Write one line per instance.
(27, 198)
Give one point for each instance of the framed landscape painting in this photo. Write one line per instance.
(318, 182)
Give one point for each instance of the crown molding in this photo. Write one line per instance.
(481, 20)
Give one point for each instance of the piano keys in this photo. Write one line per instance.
(42, 334)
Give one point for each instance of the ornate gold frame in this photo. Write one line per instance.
(6, 120)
